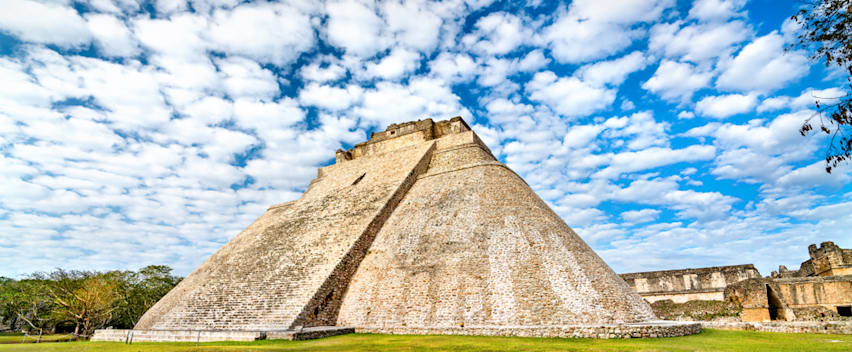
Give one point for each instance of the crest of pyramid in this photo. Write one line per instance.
(419, 227)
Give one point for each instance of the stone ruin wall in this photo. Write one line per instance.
(828, 292)
(821, 288)
(826, 260)
(688, 284)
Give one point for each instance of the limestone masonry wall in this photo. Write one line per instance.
(828, 292)
(688, 284)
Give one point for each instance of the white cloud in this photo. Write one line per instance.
(245, 78)
(594, 29)
(328, 97)
(268, 119)
(112, 36)
(413, 24)
(723, 106)
(568, 96)
(687, 203)
(179, 37)
(168, 7)
(323, 70)
(421, 98)
(806, 100)
(573, 40)
(627, 162)
(272, 33)
(496, 72)
(640, 216)
(356, 28)
(395, 65)
(685, 115)
(627, 105)
(498, 33)
(676, 80)
(131, 94)
(453, 67)
(533, 61)
(612, 72)
(763, 65)
(814, 175)
(641, 126)
(48, 23)
(809, 97)
(777, 136)
(774, 103)
(699, 42)
(759, 151)
(710, 10)
(620, 12)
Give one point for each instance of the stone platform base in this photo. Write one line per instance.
(625, 331)
(806, 327)
(130, 336)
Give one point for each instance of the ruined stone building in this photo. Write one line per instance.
(689, 284)
(418, 230)
(821, 287)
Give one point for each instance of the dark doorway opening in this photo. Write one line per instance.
(776, 308)
(844, 311)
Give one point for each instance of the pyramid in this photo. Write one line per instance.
(418, 230)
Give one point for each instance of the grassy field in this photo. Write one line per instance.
(7, 338)
(709, 340)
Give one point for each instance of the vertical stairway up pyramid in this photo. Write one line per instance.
(418, 230)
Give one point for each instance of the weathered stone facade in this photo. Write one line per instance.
(688, 284)
(826, 260)
(761, 300)
(820, 289)
(418, 229)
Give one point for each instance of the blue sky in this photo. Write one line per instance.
(664, 132)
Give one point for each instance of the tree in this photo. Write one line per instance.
(86, 299)
(139, 291)
(827, 34)
(26, 305)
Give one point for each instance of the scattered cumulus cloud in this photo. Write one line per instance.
(163, 129)
(725, 105)
(763, 65)
(677, 81)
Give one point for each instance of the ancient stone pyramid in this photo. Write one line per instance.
(416, 230)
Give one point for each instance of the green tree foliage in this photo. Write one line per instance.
(139, 291)
(25, 305)
(84, 300)
(827, 34)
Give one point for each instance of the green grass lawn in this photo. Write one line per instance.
(709, 340)
(15, 337)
